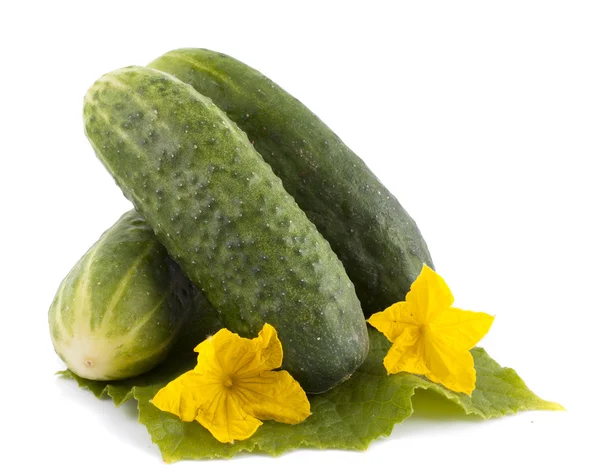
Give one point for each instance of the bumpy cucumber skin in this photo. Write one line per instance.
(225, 217)
(379, 243)
(120, 309)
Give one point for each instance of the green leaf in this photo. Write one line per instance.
(350, 416)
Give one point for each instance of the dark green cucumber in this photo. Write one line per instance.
(225, 217)
(378, 242)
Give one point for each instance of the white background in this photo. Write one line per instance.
(481, 117)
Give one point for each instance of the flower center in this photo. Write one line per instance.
(228, 381)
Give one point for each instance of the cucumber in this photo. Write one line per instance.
(225, 217)
(120, 309)
(379, 243)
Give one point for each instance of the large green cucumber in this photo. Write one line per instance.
(378, 242)
(225, 217)
(120, 309)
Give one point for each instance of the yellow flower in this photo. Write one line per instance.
(429, 336)
(233, 387)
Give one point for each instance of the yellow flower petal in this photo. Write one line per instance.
(230, 354)
(429, 294)
(233, 385)
(226, 419)
(184, 395)
(269, 353)
(453, 368)
(393, 320)
(406, 354)
(273, 396)
(461, 329)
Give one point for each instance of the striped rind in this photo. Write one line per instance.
(116, 314)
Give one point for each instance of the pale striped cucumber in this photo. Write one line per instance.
(379, 243)
(120, 309)
(226, 219)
